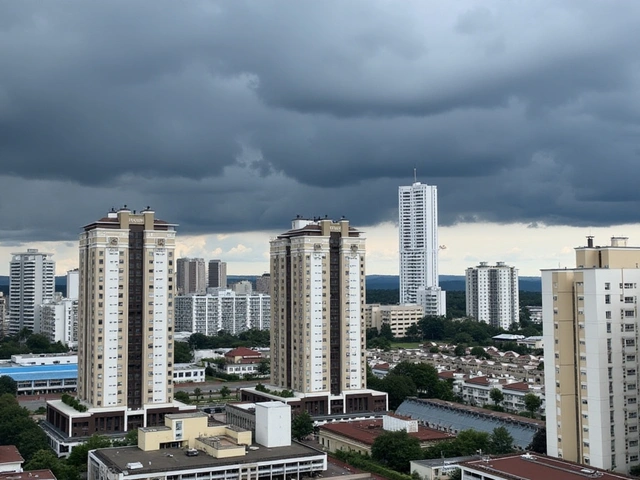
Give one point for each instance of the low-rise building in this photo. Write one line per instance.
(10, 459)
(359, 436)
(438, 468)
(398, 317)
(188, 373)
(44, 359)
(535, 342)
(44, 474)
(187, 447)
(40, 379)
(532, 466)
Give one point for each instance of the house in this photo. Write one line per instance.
(10, 459)
(241, 361)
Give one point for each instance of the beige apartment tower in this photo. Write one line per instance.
(317, 325)
(125, 311)
(590, 317)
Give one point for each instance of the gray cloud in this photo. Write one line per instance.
(235, 116)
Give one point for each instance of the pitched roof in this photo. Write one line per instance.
(478, 380)
(519, 386)
(10, 454)
(242, 352)
(30, 475)
(366, 431)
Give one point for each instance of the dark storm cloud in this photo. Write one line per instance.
(235, 116)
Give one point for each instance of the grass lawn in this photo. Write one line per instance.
(406, 344)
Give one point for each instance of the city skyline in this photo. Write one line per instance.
(508, 107)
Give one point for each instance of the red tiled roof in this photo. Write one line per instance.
(10, 454)
(30, 475)
(446, 374)
(366, 431)
(242, 352)
(519, 386)
(539, 466)
(478, 380)
(381, 366)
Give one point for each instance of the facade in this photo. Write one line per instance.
(217, 274)
(188, 373)
(223, 310)
(530, 466)
(42, 379)
(590, 318)
(187, 447)
(263, 283)
(10, 459)
(4, 318)
(58, 320)
(492, 294)
(125, 330)
(418, 230)
(398, 317)
(191, 276)
(242, 287)
(31, 283)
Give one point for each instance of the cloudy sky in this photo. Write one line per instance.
(231, 117)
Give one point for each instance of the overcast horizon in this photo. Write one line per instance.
(230, 118)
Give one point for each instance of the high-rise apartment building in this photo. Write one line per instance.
(263, 283)
(217, 274)
(492, 294)
(4, 319)
(125, 329)
(590, 318)
(223, 310)
(317, 321)
(32, 282)
(418, 241)
(58, 320)
(191, 276)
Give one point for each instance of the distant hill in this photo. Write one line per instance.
(374, 282)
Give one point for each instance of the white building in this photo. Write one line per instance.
(492, 294)
(242, 287)
(58, 320)
(224, 310)
(188, 373)
(32, 282)
(418, 230)
(73, 284)
(398, 317)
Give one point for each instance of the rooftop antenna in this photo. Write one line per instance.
(415, 175)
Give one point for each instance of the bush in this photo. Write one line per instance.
(73, 402)
(365, 463)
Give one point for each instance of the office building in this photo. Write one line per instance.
(590, 320)
(217, 274)
(223, 310)
(191, 276)
(317, 325)
(492, 294)
(263, 283)
(398, 317)
(125, 330)
(32, 282)
(418, 241)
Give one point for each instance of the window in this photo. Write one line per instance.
(607, 299)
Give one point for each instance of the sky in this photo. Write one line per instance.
(232, 117)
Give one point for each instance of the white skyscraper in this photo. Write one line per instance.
(492, 294)
(32, 282)
(418, 229)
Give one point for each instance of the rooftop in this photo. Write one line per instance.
(10, 454)
(436, 462)
(242, 352)
(169, 459)
(30, 475)
(41, 372)
(534, 467)
(366, 431)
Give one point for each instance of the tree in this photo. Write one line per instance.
(46, 459)
(398, 388)
(301, 425)
(8, 385)
(19, 429)
(396, 450)
(496, 395)
(264, 367)
(385, 332)
(501, 441)
(198, 393)
(182, 396)
(426, 379)
(539, 442)
(532, 403)
(413, 333)
(460, 350)
(80, 453)
(182, 353)
(456, 474)
(225, 391)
